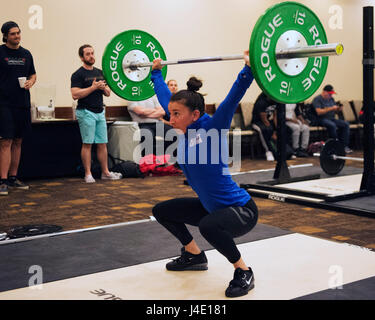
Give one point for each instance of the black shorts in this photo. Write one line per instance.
(14, 122)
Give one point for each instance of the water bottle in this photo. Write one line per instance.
(51, 112)
(34, 114)
(74, 107)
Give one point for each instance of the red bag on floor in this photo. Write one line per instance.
(158, 165)
(315, 147)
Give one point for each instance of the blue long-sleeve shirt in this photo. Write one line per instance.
(203, 151)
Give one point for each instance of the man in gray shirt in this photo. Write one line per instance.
(326, 108)
(148, 113)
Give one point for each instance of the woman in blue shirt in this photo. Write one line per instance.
(222, 210)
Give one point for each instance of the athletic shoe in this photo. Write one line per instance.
(89, 179)
(118, 174)
(242, 283)
(300, 153)
(112, 176)
(188, 261)
(3, 189)
(269, 156)
(348, 150)
(13, 182)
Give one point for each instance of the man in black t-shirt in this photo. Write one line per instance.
(88, 86)
(263, 121)
(17, 76)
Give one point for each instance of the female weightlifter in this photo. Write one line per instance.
(222, 210)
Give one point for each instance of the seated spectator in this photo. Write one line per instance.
(147, 113)
(300, 130)
(326, 108)
(263, 122)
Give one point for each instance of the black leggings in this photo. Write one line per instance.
(218, 228)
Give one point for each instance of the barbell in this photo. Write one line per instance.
(288, 53)
(332, 157)
(288, 56)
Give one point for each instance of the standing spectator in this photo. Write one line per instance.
(326, 108)
(88, 86)
(17, 76)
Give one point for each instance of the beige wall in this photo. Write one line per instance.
(185, 28)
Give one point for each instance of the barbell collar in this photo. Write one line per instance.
(329, 49)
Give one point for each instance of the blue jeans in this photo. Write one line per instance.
(337, 129)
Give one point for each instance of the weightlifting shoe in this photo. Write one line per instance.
(348, 150)
(242, 283)
(188, 261)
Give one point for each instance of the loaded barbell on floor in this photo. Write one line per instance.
(288, 55)
(332, 157)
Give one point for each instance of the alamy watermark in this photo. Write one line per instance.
(336, 281)
(336, 20)
(36, 280)
(36, 19)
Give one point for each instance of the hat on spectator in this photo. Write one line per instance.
(6, 27)
(328, 88)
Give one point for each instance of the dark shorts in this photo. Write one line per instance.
(14, 122)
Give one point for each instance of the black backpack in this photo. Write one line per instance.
(96, 169)
(128, 168)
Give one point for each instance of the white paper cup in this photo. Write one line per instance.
(22, 81)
